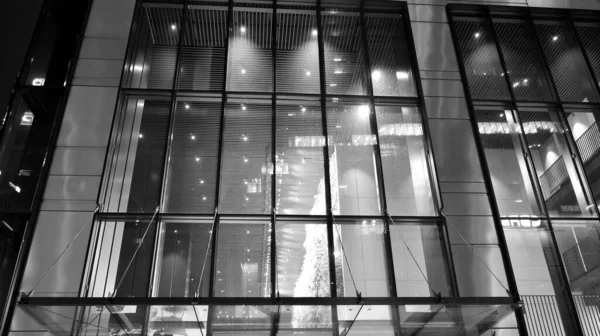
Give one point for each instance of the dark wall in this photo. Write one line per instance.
(17, 22)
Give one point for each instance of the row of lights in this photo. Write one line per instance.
(478, 35)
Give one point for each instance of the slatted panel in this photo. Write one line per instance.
(588, 33)
(388, 55)
(566, 63)
(523, 61)
(161, 52)
(250, 61)
(542, 316)
(192, 176)
(344, 54)
(297, 52)
(300, 143)
(589, 313)
(163, 60)
(403, 159)
(165, 24)
(203, 53)
(247, 159)
(481, 60)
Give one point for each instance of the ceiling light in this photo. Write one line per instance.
(245, 159)
(525, 80)
(140, 135)
(173, 27)
(501, 115)
(193, 137)
(333, 84)
(554, 38)
(243, 71)
(401, 75)
(243, 29)
(338, 72)
(197, 159)
(477, 34)
(515, 85)
(314, 32)
(518, 201)
(376, 75)
(204, 198)
(27, 119)
(15, 187)
(337, 59)
(244, 107)
(38, 82)
(304, 109)
(308, 73)
(338, 126)
(201, 181)
(187, 106)
(364, 111)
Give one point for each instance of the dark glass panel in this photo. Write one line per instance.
(194, 153)
(247, 160)
(481, 60)
(588, 34)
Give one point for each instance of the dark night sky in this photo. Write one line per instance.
(17, 21)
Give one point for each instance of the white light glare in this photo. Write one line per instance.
(308, 73)
(243, 71)
(376, 75)
(314, 32)
(243, 29)
(337, 59)
(364, 111)
(477, 34)
(401, 75)
(555, 38)
(187, 106)
(38, 81)
(140, 135)
(193, 137)
(173, 27)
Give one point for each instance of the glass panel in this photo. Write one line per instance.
(117, 267)
(424, 267)
(579, 245)
(509, 169)
(297, 52)
(250, 56)
(300, 168)
(177, 320)
(480, 58)
(538, 277)
(354, 186)
(588, 34)
(194, 153)
(247, 163)
(556, 170)
(357, 244)
(242, 320)
(305, 320)
(243, 265)
(367, 320)
(183, 266)
(203, 52)
(584, 127)
(302, 259)
(138, 161)
(345, 68)
(566, 62)
(523, 60)
(402, 145)
(154, 49)
(391, 72)
(42, 53)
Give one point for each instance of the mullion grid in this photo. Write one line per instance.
(572, 148)
(324, 97)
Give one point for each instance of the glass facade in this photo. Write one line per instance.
(533, 98)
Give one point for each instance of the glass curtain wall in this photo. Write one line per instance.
(257, 152)
(532, 88)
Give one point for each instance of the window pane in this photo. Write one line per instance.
(192, 173)
(152, 64)
(588, 33)
(538, 277)
(509, 169)
(425, 244)
(556, 170)
(566, 62)
(243, 265)
(182, 259)
(391, 72)
(138, 161)
(297, 52)
(203, 51)
(352, 169)
(247, 162)
(300, 172)
(405, 172)
(357, 244)
(345, 69)
(480, 58)
(523, 60)
(250, 56)
(584, 127)
(302, 259)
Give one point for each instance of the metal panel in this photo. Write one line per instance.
(574, 4)
(442, 88)
(466, 204)
(110, 18)
(474, 278)
(99, 68)
(474, 229)
(463, 187)
(428, 13)
(68, 205)
(429, 74)
(446, 108)
(433, 44)
(103, 48)
(88, 117)
(53, 233)
(456, 160)
(72, 187)
(78, 161)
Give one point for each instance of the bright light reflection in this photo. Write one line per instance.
(376, 75)
(243, 29)
(401, 75)
(364, 111)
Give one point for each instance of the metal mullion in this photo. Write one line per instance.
(573, 29)
(329, 210)
(502, 244)
(274, 290)
(391, 274)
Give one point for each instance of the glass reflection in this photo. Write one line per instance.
(583, 123)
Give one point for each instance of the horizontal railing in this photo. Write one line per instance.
(553, 178)
(589, 143)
